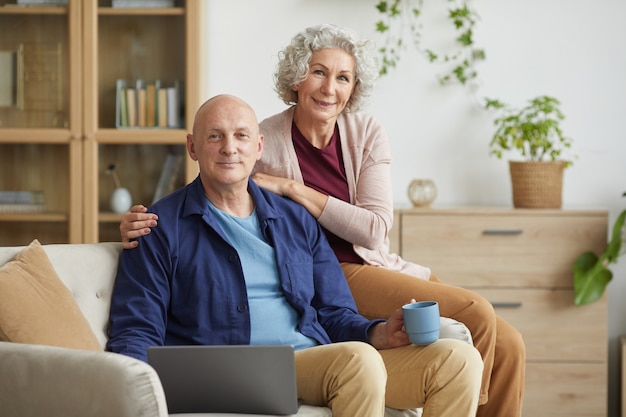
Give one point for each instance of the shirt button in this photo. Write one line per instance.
(241, 308)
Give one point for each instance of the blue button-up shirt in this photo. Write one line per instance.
(184, 284)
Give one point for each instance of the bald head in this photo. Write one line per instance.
(221, 104)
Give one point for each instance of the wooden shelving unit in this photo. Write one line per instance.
(61, 136)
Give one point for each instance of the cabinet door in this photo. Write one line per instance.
(553, 328)
(146, 52)
(565, 390)
(40, 124)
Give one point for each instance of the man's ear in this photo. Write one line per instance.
(261, 144)
(191, 149)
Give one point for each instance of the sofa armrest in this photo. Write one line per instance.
(44, 380)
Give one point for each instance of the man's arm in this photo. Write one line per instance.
(140, 299)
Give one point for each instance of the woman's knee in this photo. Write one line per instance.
(510, 342)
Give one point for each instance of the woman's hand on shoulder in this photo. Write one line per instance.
(277, 185)
(136, 223)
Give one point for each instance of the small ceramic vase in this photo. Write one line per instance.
(121, 200)
(422, 192)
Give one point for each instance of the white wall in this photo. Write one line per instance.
(571, 49)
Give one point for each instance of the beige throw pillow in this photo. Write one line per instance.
(36, 307)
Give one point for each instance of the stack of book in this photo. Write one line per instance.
(147, 105)
(21, 201)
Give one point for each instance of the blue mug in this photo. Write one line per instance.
(421, 322)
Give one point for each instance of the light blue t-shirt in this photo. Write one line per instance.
(273, 319)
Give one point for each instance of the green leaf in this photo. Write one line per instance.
(591, 273)
(381, 27)
(431, 55)
(615, 245)
(382, 7)
(590, 278)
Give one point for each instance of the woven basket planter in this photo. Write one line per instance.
(537, 184)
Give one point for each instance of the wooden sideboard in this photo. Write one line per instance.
(521, 260)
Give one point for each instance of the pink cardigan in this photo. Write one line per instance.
(367, 219)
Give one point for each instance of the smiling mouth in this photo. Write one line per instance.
(323, 103)
(229, 163)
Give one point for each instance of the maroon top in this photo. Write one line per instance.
(323, 170)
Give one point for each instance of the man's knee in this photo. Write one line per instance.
(462, 363)
(363, 363)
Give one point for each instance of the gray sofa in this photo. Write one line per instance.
(36, 379)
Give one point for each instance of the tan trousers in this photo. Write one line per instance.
(378, 292)
(354, 379)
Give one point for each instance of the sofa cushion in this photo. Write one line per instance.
(36, 307)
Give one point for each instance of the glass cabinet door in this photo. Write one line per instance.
(141, 78)
(40, 123)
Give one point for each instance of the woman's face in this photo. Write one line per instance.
(327, 89)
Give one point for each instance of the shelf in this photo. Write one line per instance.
(18, 9)
(44, 136)
(141, 11)
(141, 136)
(33, 217)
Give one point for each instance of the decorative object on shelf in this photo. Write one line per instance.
(422, 192)
(121, 200)
(397, 15)
(535, 134)
(591, 272)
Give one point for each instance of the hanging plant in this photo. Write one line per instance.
(398, 16)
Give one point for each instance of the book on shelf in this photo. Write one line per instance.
(151, 104)
(147, 105)
(162, 107)
(21, 201)
(141, 103)
(131, 108)
(171, 176)
(172, 107)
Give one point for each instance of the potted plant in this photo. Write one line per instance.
(591, 272)
(534, 133)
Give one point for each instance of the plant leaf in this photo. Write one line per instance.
(613, 250)
(591, 277)
(591, 273)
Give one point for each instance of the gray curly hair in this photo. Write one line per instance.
(293, 62)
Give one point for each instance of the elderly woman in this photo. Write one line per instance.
(335, 161)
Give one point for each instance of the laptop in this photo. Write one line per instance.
(246, 379)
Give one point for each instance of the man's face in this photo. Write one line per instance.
(226, 143)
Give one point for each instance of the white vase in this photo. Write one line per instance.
(121, 200)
